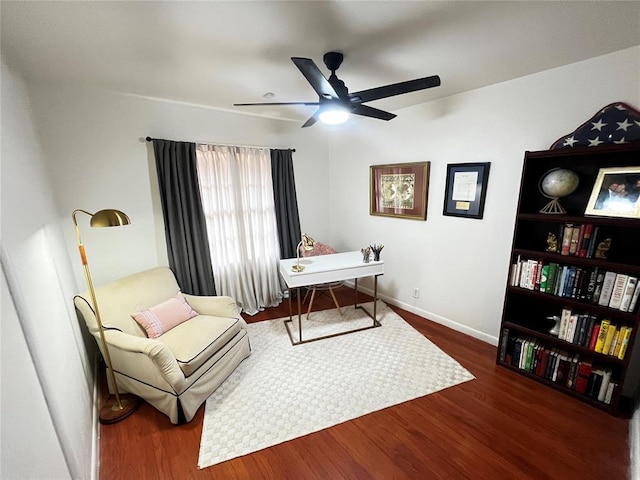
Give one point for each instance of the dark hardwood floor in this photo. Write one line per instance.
(499, 426)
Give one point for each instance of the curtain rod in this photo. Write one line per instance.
(149, 139)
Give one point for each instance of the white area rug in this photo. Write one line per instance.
(283, 392)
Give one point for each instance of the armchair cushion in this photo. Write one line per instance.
(165, 316)
(195, 342)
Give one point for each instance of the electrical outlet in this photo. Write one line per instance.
(416, 293)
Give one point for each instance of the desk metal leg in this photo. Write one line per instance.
(299, 316)
(289, 322)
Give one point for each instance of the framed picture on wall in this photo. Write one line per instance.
(399, 190)
(616, 193)
(466, 189)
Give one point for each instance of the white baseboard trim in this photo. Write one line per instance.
(432, 316)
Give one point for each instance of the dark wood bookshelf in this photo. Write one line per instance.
(527, 308)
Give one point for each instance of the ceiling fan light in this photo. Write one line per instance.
(334, 116)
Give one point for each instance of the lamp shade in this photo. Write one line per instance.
(109, 218)
(307, 242)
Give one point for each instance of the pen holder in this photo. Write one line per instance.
(376, 249)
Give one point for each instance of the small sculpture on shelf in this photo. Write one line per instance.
(603, 248)
(366, 254)
(555, 330)
(552, 242)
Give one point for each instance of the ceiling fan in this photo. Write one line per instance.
(333, 94)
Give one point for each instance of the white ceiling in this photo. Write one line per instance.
(219, 53)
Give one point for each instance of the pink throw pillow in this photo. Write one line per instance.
(165, 316)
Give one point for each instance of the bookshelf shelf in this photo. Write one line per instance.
(585, 283)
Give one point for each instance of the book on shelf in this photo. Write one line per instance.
(598, 286)
(575, 239)
(586, 240)
(602, 335)
(562, 372)
(582, 377)
(614, 342)
(607, 288)
(611, 388)
(627, 295)
(564, 323)
(591, 330)
(594, 383)
(573, 371)
(593, 242)
(567, 233)
(615, 349)
(551, 278)
(625, 343)
(504, 343)
(545, 277)
(606, 379)
(611, 332)
(567, 289)
(634, 298)
(618, 290)
(517, 350)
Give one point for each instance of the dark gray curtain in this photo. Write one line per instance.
(184, 223)
(284, 193)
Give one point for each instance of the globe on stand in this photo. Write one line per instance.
(555, 184)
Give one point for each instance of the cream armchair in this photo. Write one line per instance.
(177, 371)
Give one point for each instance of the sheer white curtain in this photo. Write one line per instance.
(237, 198)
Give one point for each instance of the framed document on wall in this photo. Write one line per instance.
(466, 189)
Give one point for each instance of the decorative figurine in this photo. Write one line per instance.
(555, 330)
(552, 242)
(376, 249)
(366, 253)
(603, 248)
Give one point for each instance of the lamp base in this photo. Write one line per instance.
(111, 411)
(297, 268)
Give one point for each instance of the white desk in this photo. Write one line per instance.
(325, 269)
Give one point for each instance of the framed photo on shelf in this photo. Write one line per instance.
(466, 189)
(399, 190)
(616, 193)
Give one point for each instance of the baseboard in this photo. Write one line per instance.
(432, 316)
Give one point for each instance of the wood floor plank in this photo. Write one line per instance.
(500, 425)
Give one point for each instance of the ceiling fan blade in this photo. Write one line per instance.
(368, 111)
(312, 119)
(315, 77)
(276, 103)
(395, 89)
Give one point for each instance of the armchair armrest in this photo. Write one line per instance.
(128, 353)
(219, 306)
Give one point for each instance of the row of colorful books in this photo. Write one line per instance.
(600, 336)
(579, 240)
(596, 285)
(556, 365)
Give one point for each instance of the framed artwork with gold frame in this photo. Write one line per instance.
(399, 190)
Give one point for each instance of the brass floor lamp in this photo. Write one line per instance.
(124, 405)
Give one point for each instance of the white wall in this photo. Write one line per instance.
(47, 415)
(460, 265)
(97, 158)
